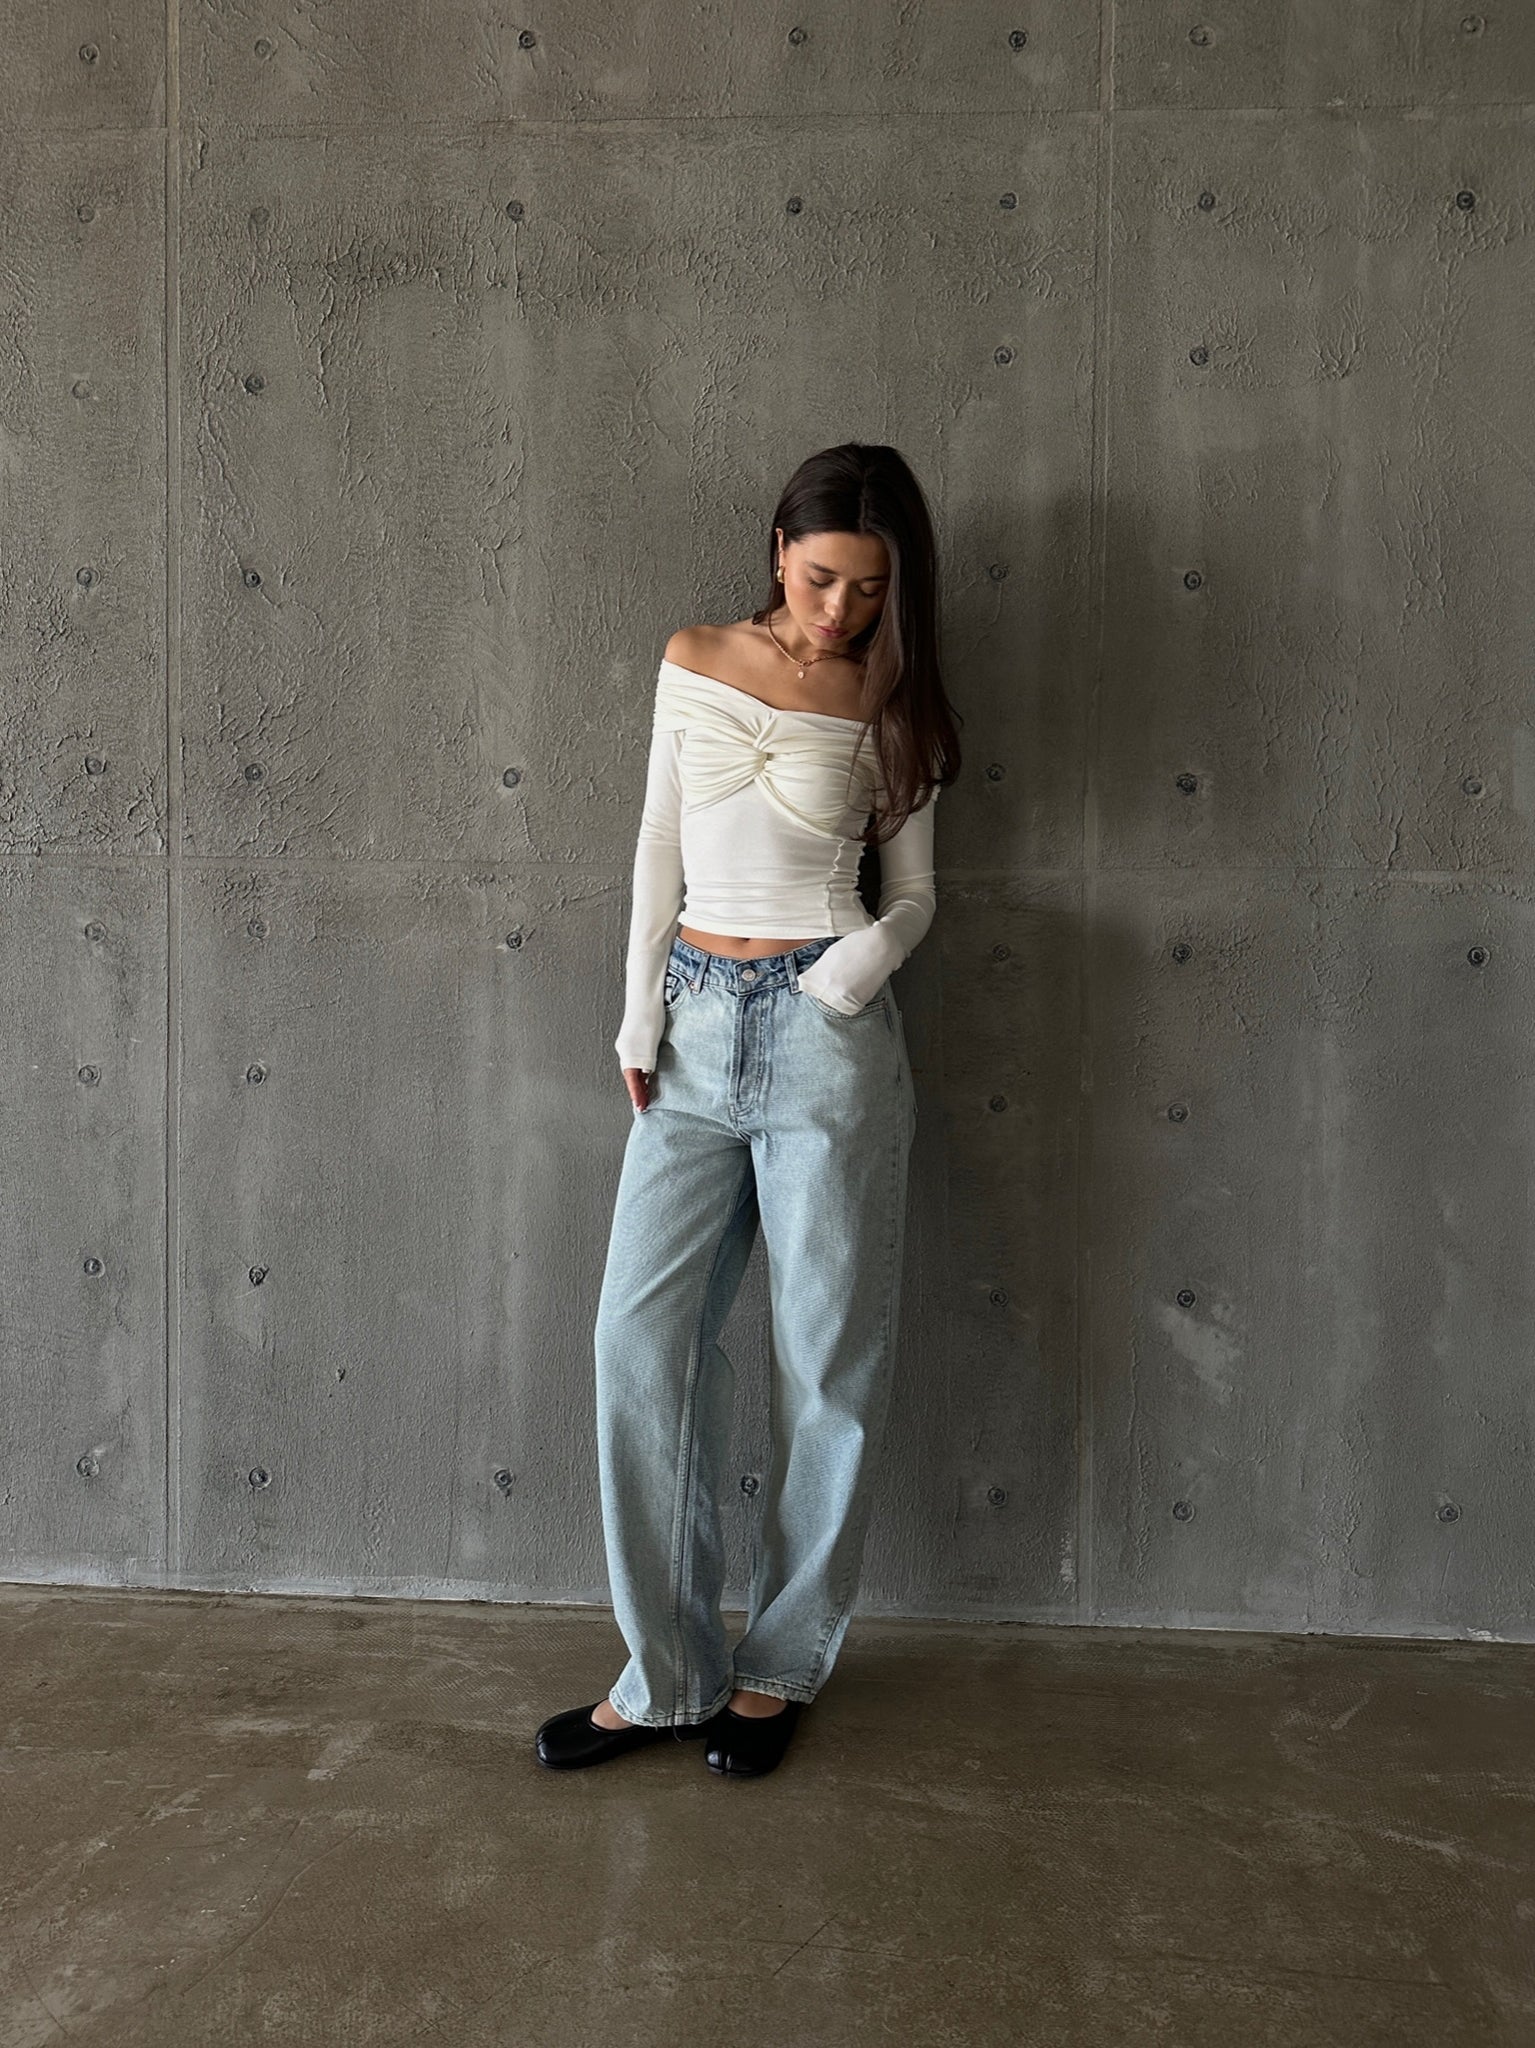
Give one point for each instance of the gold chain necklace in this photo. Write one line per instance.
(808, 661)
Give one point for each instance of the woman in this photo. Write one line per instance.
(770, 1084)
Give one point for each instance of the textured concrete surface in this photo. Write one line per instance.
(315, 1822)
(381, 385)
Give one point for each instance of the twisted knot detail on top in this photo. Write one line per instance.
(731, 738)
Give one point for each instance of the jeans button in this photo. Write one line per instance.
(748, 974)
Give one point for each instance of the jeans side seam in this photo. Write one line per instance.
(861, 1521)
(758, 1547)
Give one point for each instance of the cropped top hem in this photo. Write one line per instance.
(699, 924)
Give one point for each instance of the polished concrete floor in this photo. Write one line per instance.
(298, 1821)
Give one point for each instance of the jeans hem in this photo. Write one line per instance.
(776, 1689)
(680, 1721)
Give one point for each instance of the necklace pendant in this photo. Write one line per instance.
(802, 675)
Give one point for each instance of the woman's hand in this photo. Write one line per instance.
(636, 1080)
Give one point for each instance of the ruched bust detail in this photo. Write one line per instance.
(798, 760)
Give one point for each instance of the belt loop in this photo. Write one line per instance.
(696, 979)
(791, 961)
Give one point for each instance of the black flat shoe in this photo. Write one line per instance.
(749, 1746)
(569, 1741)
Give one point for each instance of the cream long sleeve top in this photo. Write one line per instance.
(753, 824)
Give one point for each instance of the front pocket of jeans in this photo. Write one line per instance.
(872, 1008)
(672, 988)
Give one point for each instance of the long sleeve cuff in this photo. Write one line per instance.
(852, 969)
(656, 906)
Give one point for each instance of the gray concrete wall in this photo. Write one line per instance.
(381, 385)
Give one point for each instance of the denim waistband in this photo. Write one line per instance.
(744, 977)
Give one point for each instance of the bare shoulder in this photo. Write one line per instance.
(716, 650)
(690, 646)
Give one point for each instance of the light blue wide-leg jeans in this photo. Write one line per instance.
(767, 1109)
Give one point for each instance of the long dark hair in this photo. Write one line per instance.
(864, 487)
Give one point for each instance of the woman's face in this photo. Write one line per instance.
(835, 580)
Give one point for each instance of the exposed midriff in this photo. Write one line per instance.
(739, 949)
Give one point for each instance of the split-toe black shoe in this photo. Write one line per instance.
(569, 1741)
(750, 1745)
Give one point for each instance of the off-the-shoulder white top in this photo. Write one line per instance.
(753, 824)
